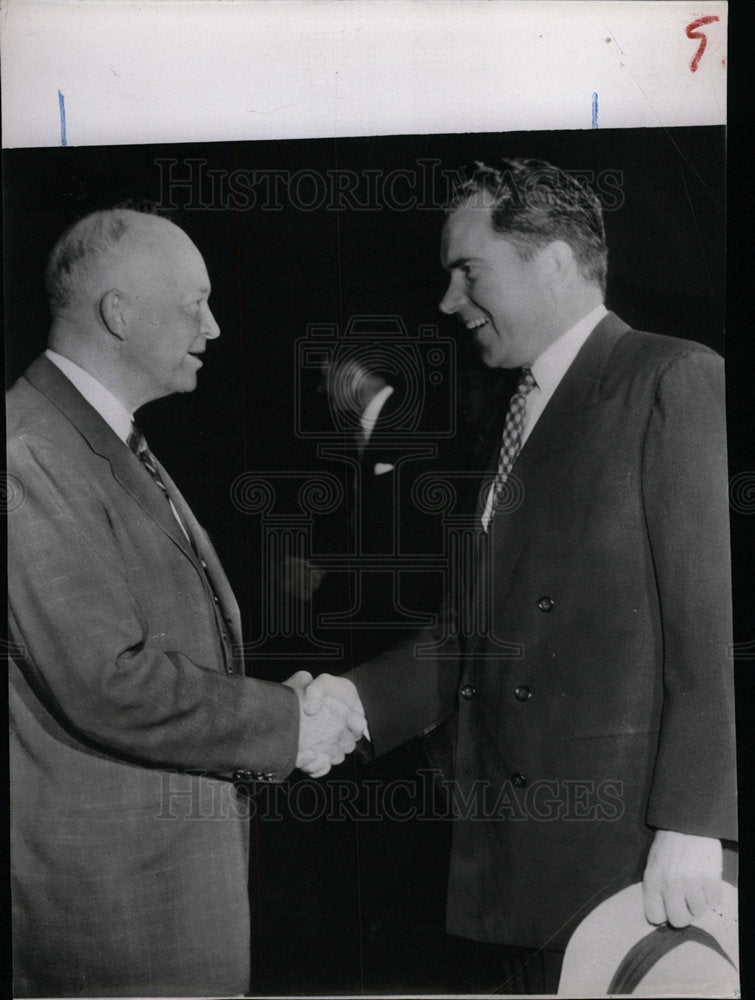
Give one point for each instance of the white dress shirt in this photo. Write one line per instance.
(548, 370)
(112, 411)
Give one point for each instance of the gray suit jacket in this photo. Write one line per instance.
(130, 716)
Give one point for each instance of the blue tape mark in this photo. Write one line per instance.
(62, 103)
(594, 110)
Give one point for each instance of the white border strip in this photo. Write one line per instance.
(184, 70)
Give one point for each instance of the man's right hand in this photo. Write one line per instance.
(340, 694)
(329, 726)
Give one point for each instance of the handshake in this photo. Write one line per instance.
(331, 720)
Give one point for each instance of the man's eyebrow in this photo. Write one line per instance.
(458, 262)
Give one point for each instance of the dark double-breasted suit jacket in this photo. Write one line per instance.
(595, 698)
(130, 716)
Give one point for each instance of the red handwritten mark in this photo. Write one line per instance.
(694, 34)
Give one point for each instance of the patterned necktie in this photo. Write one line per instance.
(511, 442)
(138, 444)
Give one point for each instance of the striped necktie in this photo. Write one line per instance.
(138, 444)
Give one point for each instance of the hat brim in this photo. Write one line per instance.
(602, 940)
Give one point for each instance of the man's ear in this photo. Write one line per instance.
(558, 259)
(113, 313)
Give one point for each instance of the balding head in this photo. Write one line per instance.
(85, 256)
(128, 292)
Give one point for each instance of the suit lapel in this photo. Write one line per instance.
(125, 466)
(564, 428)
(205, 551)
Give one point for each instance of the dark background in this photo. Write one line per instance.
(356, 906)
(274, 271)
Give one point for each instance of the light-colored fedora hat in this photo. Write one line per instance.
(615, 952)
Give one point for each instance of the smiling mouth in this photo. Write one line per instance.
(477, 323)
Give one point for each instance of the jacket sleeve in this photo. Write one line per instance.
(89, 649)
(685, 496)
(410, 689)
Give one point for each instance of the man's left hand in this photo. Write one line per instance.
(682, 877)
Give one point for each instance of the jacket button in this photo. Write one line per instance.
(240, 775)
(468, 692)
(518, 780)
(545, 604)
(522, 693)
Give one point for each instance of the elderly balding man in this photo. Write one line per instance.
(132, 718)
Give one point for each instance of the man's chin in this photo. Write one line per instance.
(491, 357)
(187, 384)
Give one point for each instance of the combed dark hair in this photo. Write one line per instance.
(533, 203)
(86, 240)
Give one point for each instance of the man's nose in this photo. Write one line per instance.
(210, 328)
(453, 299)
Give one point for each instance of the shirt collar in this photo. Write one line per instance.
(553, 363)
(112, 411)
